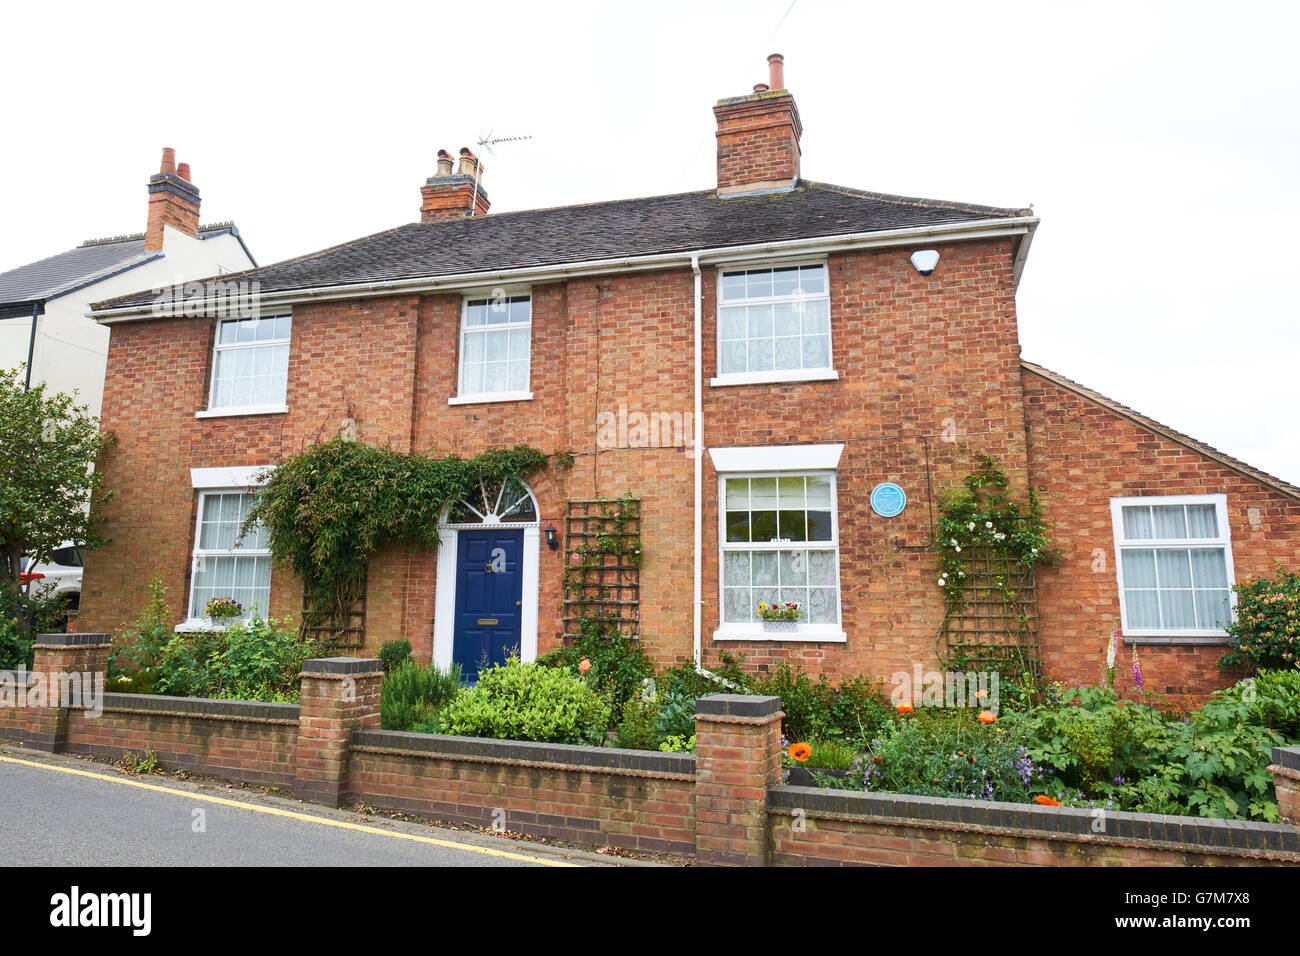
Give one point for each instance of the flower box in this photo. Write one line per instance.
(779, 625)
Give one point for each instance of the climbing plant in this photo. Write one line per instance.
(327, 510)
(988, 547)
(981, 516)
(602, 571)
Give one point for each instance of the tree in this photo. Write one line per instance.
(48, 484)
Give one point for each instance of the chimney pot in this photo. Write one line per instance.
(183, 171)
(469, 163)
(444, 163)
(168, 160)
(761, 87)
(776, 71)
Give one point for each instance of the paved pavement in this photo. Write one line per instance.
(60, 811)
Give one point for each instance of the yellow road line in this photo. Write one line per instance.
(291, 814)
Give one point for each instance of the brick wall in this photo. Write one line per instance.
(631, 799)
(723, 805)
(1082, 454)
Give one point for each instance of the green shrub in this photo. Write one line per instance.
(638, 727)
(675, 715)
(140, 646)
(394, 653)
(518, 701)
(252, 660)
(22, 617)
(1266, 632)
(413, 697)
(831, 755)
(678, 745)
(618, 664)
(138, 682)
(948, 753)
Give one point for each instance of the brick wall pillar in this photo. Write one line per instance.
(737, 758)
(71, 669)
(339, 695)
(1286, 778)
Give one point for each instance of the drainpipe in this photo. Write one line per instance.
(31, 346)
(698, 451)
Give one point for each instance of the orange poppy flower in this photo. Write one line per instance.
(981, 694)
(1046, 801)
(987, 717)
(905, 708)
(800, 752)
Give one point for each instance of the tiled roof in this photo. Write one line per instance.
(72, 270)
(91, 262)
(1277, 484)
(604, 230)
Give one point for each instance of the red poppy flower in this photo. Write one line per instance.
(905, 708)
(800, 752)
(1046, 801)
(986, 717)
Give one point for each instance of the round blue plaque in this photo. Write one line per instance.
(888, 500)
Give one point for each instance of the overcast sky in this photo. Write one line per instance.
(1158, 142)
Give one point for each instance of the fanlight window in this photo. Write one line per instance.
(495, 503)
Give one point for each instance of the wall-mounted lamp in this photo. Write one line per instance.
(552, 541)
(925, 260)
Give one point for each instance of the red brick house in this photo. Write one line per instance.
(750, 362)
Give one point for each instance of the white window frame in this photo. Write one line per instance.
(218, 481)
(1224, 541)
(474, 398)
(788, 466)
(776, 375)
(223, 411)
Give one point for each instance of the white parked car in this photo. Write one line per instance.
(60, 575)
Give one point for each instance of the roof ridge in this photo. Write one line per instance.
(1145, 421)
(132, 237)
(917, 201)
(576, 205)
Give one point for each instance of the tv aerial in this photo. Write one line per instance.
(486, 141)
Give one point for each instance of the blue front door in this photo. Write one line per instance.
(489, 593)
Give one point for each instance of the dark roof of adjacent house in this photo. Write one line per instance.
(1164, 431)
(92, 261)
(605, 230)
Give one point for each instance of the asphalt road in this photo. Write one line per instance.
(59, 811)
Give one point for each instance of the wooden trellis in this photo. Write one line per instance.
(341, 629)
(998, 625)
(604, 582)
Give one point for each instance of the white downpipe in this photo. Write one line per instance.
(697, 608)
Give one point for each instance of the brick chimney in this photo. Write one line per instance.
(448, 195)
(758, 137)
(173, 201)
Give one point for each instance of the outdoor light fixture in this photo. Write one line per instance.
(552, 541)
(925, 260)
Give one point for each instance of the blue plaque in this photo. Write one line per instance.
(888, 500)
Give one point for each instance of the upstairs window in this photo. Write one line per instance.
(250, 368)
(495, 346)
(1175, 565)
(774, 325)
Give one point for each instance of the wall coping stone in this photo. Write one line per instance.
(343, 665)
(738, 705)
(1195, 834)
(72, 640)
(202, 707)
(1288, 757)
(485, 749)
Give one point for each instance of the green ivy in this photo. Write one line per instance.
(329, 509)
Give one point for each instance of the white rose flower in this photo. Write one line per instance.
(988, 524)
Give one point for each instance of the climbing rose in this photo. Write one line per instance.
(584, 665)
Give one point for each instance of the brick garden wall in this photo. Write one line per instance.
(1082, 454)
(723, 805)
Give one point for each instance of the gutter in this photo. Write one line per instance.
(978, 229)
